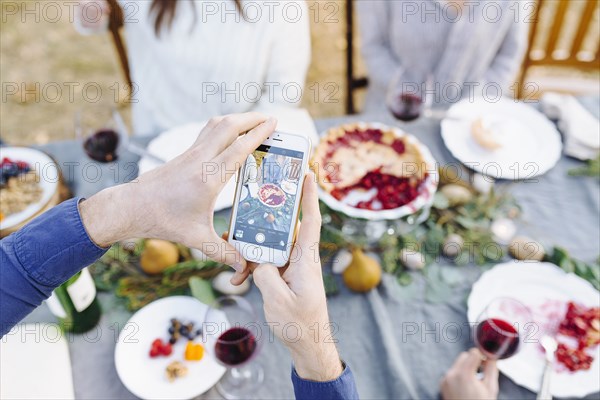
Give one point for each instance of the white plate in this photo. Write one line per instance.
(531, 145)
(538, 285)
(145, 376)
(425, 198)
(175, 141)
(49, 175)
(289, 187)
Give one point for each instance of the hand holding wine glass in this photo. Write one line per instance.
(462, 381)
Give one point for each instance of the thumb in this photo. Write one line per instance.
(240, 276)
(473, 361)
(310, 230)
(222, 251)
(490, 374)
(269, 282)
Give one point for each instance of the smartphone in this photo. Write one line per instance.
(267, 199)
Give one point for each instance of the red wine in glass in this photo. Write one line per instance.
(496, 338)
(102, 145)
(406, 107)
(235, 346)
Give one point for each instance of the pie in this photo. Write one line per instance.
(271, 195)
(483, 135)
(355, 157)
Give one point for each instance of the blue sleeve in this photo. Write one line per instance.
(342, 388)
(39, 257)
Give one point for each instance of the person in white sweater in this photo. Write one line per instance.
(191, 60)
(459, 44)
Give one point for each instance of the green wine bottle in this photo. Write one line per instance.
(74, 303)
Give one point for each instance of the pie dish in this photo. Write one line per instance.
(46, 190)
(373, 171)
(271, 195)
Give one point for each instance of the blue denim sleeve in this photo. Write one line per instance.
(39, 257)
(342, 388)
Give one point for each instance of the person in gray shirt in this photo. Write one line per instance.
(474, 46)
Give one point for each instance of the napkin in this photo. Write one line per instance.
(581, 129)
(35, 363)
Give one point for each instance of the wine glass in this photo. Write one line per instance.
(409, 95)
(231, 335)
(104, 135)
(500, 328)
(98, 132)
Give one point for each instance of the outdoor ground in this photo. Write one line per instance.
(42, 61)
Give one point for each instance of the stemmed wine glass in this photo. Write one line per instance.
(104, 135)
(410, 95)
(501, 327)
(230, 334)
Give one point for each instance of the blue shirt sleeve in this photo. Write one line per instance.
(342, 388)
(39, 257)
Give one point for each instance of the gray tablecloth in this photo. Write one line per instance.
(397, 345)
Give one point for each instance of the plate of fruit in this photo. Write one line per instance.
(160, 353)
(374, 172)
(271, 195)
(29, 181)
(562, 306)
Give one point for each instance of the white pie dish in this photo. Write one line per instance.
(421, 203)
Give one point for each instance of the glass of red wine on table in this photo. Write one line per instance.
(501, 328)
(104, 135)
(232, 337)
(410, 96)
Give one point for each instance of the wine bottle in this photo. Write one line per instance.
(74, 303)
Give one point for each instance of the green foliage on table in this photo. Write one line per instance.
(331, 286)
(118, 270)
(589, 272)
(202, 290)
(471, 221)
(591, 169)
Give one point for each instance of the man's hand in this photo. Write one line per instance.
(461, 381)
(176, 201)
(294, 298)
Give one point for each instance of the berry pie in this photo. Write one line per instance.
(385, 168)
(271, 195)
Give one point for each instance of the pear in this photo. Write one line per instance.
(363, 273)
(158, 255)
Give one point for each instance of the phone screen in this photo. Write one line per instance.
(271, 178)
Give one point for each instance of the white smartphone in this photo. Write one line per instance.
(267, 199)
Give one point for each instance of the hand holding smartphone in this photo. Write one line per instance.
(267, 199)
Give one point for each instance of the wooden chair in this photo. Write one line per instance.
(352, 83)
(553, 56)
(117, 21)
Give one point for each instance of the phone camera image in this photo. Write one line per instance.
(271, 177)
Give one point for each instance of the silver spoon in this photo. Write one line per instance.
(549, 344)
